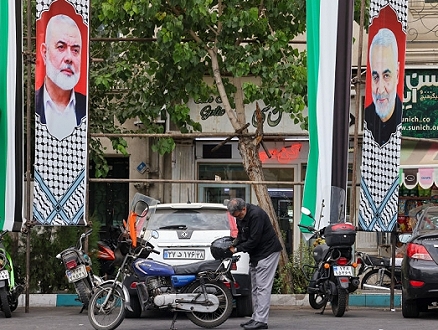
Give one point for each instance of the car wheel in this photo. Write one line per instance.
(410, 309)
(136, 308)
(243, 306)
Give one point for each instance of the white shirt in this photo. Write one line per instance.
(60, 122)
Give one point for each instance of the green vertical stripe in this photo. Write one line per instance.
(3, 105)
(310, 186)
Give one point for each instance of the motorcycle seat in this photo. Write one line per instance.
(197, 267)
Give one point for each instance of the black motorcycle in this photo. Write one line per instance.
(332, 278)
(78, 270)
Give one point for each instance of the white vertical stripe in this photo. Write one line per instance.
(325, 102)
(11, 89)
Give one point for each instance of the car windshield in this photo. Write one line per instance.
(189, 219)
(429, 220)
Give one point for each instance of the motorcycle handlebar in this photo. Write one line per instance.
(309, 228)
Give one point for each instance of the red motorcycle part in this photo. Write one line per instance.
(105, 252)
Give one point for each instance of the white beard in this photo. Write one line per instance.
(383, 111)
(63, 81)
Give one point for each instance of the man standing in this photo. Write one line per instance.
(57, 105)
(382, 137)
(257, 237)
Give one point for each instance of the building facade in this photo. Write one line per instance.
(199, 171)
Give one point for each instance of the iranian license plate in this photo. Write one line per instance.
(4, 275)
(184, 254)
(76, 274)
(343, 270)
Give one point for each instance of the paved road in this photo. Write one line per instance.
(295, 318)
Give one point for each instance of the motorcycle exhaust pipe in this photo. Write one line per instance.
(355, 282)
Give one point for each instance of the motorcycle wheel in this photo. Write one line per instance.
(13, 306)
(317, 300)
(219, 316)
(339, 302)
(5, 303)
(373, 278)
(110, 315)
(83, 291)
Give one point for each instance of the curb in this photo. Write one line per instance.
(354, 300)
(277, 300)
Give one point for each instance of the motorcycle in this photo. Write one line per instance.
(78, 270)
(9, 290)
(376, 272)
(333, 276)
(106, 253)
(196, 289)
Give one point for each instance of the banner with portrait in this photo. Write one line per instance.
(379, 187)
(61, 88)
(11, 117)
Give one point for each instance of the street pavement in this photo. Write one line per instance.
(294, 318)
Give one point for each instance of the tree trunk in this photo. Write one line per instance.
(249, 152)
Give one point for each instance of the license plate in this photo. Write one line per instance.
(184, 254)
(343, 270)
(4, 275)
(76, 274)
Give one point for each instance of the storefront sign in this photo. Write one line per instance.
(420, 118)
(283, 155)
(211, 115)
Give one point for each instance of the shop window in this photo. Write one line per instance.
(224, 152)
(219, 193)
(109, 201)
(222, 172)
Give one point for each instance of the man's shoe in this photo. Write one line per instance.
(247, 323)
(256, 325)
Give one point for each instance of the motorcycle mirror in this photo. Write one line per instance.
(141, 208)
(154, 234)
(404, 238)
(306, 211)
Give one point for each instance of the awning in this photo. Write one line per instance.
(419, 164)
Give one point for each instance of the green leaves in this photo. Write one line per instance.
(172, 63)
(164, 145)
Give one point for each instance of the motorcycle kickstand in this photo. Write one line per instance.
(323, 308)
(172, 326)
(82, 309)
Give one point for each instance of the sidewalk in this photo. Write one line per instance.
(357, 299)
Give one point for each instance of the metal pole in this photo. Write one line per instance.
(28, 152)
(357, 81)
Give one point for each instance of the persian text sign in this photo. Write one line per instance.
(420, 118)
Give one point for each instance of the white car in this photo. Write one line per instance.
(186, 231)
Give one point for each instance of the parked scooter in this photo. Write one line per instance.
(197, 289)
(333, 275)
(78, 270)
(9, 290)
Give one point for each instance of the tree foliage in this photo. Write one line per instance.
(172, 49)
(180, 50)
